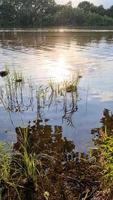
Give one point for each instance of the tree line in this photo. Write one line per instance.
(40, 13)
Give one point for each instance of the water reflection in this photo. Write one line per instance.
(63, 94)
(12, 93)
(38, 39)
(44, 160)
(43, 138)
(55, 56)
(60, 73)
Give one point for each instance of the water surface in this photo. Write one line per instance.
(56, 55)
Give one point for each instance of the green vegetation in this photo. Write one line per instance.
(106, 147)
(105, 154)
(44, 165)
(38, 13)
(5, 157)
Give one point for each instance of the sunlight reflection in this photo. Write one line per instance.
(60, 72)
(61, 30)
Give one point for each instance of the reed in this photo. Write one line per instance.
(13, 93)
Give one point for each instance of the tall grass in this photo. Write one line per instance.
(13, 93)
(5, 159)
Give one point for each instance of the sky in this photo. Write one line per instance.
(105, 3)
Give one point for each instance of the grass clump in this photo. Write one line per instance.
(106, 146)
(5, 158)
(105, 154)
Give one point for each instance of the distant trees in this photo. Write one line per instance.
(87, 6)
(63, 15)
(90, 7)
(7, 14)
(38, 13)
(25, 12)
(96, 15)
(101, 10)
(110, 12)
(32, 12)
(98, 20)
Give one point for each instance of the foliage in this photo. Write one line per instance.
(98, 20)
(106, 146)
(38, 13)
(105, 152)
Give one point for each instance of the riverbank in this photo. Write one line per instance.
(71, 29)
(44, 165)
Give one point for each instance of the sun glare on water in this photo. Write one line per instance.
(61, 30)
(60, 72)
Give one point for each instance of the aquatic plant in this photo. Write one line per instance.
(12, 93)
(68, 91)
(15, 99)
(4, 72)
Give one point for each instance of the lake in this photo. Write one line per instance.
(57, 54)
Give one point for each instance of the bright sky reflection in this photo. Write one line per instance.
(59, 72)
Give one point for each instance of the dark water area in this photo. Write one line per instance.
(56, 55)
